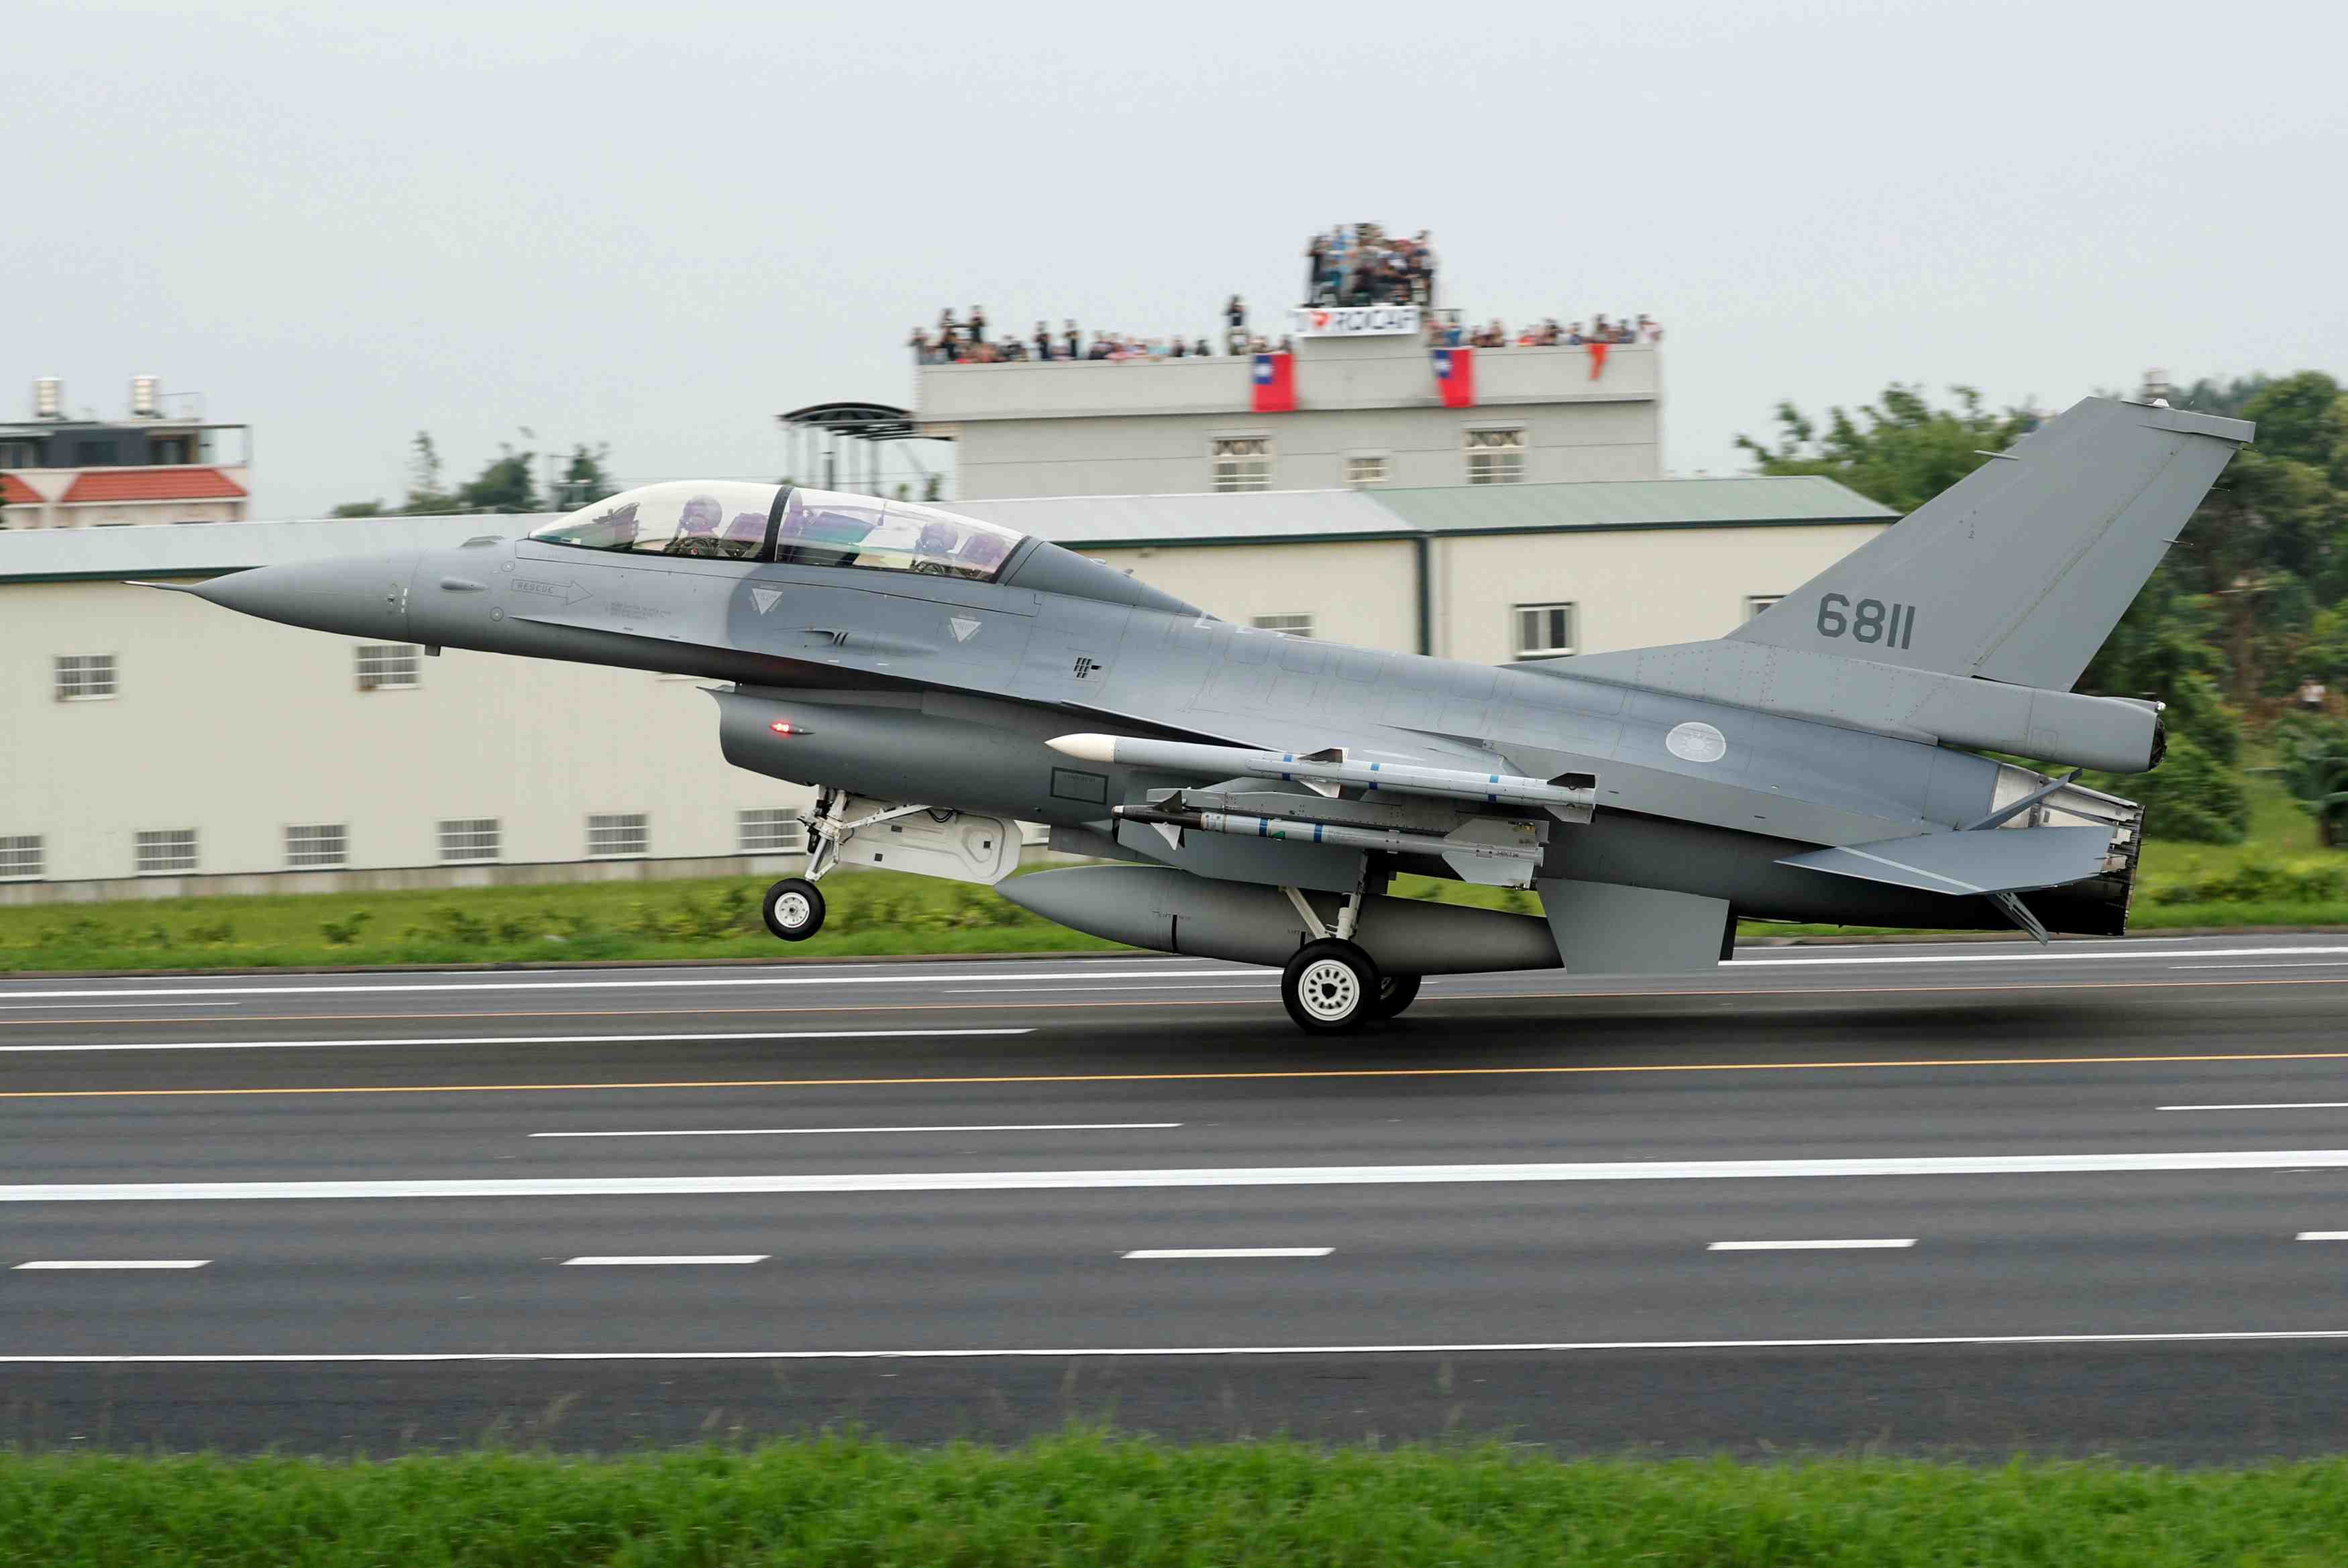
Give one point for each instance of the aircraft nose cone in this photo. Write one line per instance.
(363, 596)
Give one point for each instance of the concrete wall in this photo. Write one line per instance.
(1142, 428)
(240, 728)
(1633, 588)
(1361, 593)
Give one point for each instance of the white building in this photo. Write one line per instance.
(1369, 411)
(152, 745)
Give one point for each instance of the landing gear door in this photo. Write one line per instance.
(931, 842)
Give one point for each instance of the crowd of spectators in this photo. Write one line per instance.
(1362, 264)
(965, 341)
(1344, 262)
(1644, 329)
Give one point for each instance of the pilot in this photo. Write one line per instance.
(696, 528)
(934, 551)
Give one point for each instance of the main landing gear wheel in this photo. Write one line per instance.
(1396, 993)
(1328, 987)
(793, 908)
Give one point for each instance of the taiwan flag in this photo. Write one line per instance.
(1275, 383)
(1454, 374)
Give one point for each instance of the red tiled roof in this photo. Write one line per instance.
(152, 484)
(14, 492)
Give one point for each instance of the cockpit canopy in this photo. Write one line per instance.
(722, 520)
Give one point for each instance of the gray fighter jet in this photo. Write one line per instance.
(939, 680)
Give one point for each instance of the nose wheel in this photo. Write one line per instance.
(1329, 986)
(793, 909)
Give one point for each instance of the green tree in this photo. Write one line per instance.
(584, 479)
(425, 496)
(1900, 450)
(503, 484)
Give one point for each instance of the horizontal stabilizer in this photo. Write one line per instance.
(2001, 860)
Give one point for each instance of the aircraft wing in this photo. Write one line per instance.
(2000, 860)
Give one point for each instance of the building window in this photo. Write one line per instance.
(618, 833)
(20, 453)
(167, 450)
(20, 858)
(319, 844)
(1297, 623)
(1545, 631)
(768, 831)
(85, 677)
(1366, 468)
(388, 666)
(96, 454)
(469, 838)
(1755, 604)
(1495, 456)
(164, 851)
(1242, 464)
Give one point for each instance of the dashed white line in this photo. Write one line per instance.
(524, 1039)
(1808, 1245)
(807, 1132)
(28, 1007)
(59, 1265)
(1160, 1254)
(2323, 1236)
(659, 1260)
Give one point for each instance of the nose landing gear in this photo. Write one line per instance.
(793, 909)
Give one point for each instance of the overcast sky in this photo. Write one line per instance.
(659, 225)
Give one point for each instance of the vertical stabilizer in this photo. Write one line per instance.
(2019, 571)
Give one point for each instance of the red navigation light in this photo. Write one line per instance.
(785, 727)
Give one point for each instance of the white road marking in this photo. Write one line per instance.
(1209, 1176)
(1190, 1252)
(1803, 1246)
(2320, 964)
(27, 1007)
(2323, 1236)
(1063, 1352)
(657, 1261)
(803, 1132)
(962, 977)
(2280, 1105)
(76, 1263)
(525, 1039)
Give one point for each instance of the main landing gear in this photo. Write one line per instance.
(1332, 986)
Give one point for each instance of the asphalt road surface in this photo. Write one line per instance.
(1966, 1199)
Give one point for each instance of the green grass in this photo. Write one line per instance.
(1082, 1500)
(2277, 876)
(871, 912)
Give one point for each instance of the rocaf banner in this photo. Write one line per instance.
(1356, 321)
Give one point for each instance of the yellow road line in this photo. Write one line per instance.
(981, 1080)
(1186, 1003)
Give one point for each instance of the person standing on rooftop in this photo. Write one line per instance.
(977, 324)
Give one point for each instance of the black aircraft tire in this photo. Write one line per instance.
(1329, 987)
(1396, 993)
(793, 909)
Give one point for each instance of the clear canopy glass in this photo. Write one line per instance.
(728, 521)
(820, 528)
(715, 520)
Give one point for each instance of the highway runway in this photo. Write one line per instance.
(1964, 1198)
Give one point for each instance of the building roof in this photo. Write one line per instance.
(14, 492)
(1106, 522)
(151, 484)
(1747, 499)
(1097, 522)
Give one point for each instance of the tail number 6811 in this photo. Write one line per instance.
(1869, 620)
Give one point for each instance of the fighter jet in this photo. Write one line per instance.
(939, 680)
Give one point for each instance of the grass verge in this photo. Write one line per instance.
(2277, 877)
(1084, 1500)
